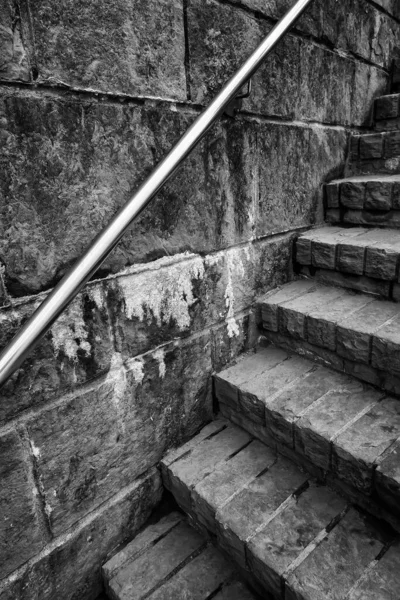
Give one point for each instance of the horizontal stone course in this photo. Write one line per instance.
(291, 83)
(285, 529)
(372, 253)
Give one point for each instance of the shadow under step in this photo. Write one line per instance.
(169, 560)
(365, 260)
(299, 539)
(353, 333)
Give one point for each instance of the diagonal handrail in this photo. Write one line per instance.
(66, 290)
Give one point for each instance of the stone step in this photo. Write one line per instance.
(387, 112)
(374, 153)
(169, 560)
(366, 260)
(353, 333)
(371, 200)
(322, 419)
(298, 538)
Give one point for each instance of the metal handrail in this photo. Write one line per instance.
(66, 290)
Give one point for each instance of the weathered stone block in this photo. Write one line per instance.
(378, 195)
(387, 479)
(271, 303)
(385, 354)
(387, 107)
(371, 146)
(307, 69)
(106, 437)
(332, 192)
(392, 144)
(381, 579)
(77, 558)
(336, 564)
(20, 533)
(352, 195)
(134, 47)
(78, 348)
(13, 32)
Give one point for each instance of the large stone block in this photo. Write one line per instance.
(290, 193)
(78, 348)
(104, 438)
(20, 534)
(135, 47)
(14, 30)
(355, 26)
(299, 80)
(69, 569)
(67, 166)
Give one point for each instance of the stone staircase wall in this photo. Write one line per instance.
(92, 95)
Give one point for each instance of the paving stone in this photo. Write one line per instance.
(385, 354)
(271, 552)
(322, 322)
(354, 332)
(293, 315)
(335, 565)
(255, 505)
(197, 580)
(216, 489)
(378, 196)
(271, 302)
(290, 404)
(142, 541)
(352, 194)
(227, 382)
(256, 394)
(193, 466)
(326, 418)
(371, 146)
(387, 107)
(387, 478)
(382, 581)
(356, 451)
(139, 577)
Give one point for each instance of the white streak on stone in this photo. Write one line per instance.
(159, 356)
(165, 294)
(70, 327)
(35, 450)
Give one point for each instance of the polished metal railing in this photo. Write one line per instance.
(66, 290)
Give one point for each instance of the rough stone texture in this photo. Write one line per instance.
(271, 552)
(70, 566)
(108, 436)
(20, 532)
(335, 565)
(375, 153)
(387, 478)
(134, 47)
(348, 28)
(382, 579)
(300, 64)
(15, 64)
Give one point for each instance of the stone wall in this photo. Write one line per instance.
(92, 94)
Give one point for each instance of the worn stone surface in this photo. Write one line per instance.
(387, 107)
(217, 488)
(382, 579)
(377, 153)
(328, 417)
(255, 505)
(271, 552)
(347, 28)
(15, 63)
(20, 531)
(302, 65)
(356, 450)
(106, 437)
(386, 347)
(272, 301)
(76, 558)
(136, 48)
(335, 565)
(141, 542)
(387, 478)
(189, 469)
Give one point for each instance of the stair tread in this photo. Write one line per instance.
(272, 520)
(322, 415)
(170, 560)
(359, 251)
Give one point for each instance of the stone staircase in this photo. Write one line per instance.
(298, 479)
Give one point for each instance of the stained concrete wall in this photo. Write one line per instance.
(92, 95)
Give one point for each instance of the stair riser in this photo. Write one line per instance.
(372, 196)
(387, 112)
(388, 125)
(376, 153)
(363, 218)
